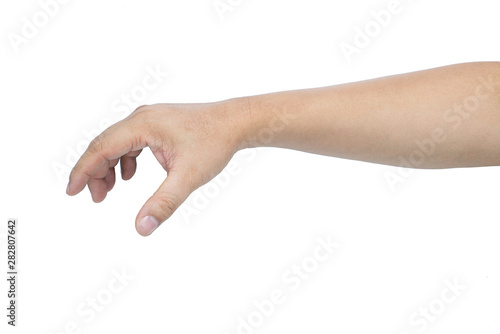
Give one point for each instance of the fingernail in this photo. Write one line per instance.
(147, 225)
(67, 189)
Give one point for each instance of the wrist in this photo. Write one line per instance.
(262, 120)
(243, 121)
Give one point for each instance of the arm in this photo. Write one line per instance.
(438, 118)
(451, 114)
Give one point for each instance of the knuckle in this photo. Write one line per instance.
(142, 116)
(81, 170)
(140, 113)
(96, 145)
(168, 203)
(141, 109)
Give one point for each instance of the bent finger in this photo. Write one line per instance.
(128, 164)
(98, 189)
(113, 143)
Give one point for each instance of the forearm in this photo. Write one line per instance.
(451, 115)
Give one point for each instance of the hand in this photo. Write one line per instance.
(192, 142)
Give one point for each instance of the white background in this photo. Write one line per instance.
(199, 274)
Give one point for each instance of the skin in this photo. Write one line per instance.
(454, 110)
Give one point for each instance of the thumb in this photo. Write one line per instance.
(159, 207)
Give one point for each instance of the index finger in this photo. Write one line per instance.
(113, 143)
